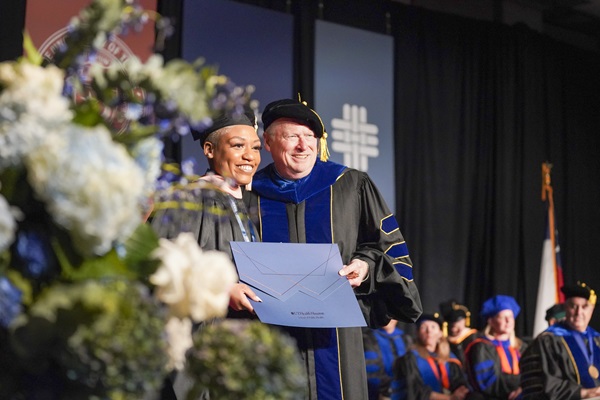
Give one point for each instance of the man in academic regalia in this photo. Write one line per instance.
(299, 198)
(564, 360)
(460, 333)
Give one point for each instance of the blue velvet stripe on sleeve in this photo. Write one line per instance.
(397, 250)
(389, 224)
(371, 357)
(484, 374)
(404, 270)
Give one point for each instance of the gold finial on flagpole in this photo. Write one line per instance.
(546, 180)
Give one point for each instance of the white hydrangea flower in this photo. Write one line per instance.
(194, 283)
(31, 107)
(179, 340)
(174, 80)
(148, 155)
(8, 225)
(90, 184)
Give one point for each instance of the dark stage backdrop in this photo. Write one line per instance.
(478, 107)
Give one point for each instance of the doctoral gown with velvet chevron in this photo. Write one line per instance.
(336, 204)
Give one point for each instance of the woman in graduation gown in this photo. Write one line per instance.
(212, 208)
(492, 361)
(430, 370)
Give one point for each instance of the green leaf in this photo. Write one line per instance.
(109, 265)
(138, 250)
(13, 179)
(4, 260)
(135, 133)
(22, 284)
(31, 52)
(88, 113)
(106, 266)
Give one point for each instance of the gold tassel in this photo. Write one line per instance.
(592, 299)
(456, 306)
(445, 329)
(323, 140)
(324, 149)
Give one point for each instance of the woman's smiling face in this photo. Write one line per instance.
(236, 154)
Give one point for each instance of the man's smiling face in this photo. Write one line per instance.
(293, 146)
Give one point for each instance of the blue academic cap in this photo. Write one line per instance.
(499, 303)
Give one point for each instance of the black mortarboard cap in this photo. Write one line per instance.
(557, 311)
(435, 317)
(228, 118)
(579, 290)
(452, 311)
(296, 110)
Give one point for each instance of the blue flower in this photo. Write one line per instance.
(33, 254)
(10, 302)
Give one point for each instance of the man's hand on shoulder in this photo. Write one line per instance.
(356, 272)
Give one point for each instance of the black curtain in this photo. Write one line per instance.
(12, 21)
(479, 107)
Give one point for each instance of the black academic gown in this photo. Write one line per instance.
(212, 215)
(458, 345)
(417, 377)
(215, 218)
(335, 204)
(485, 370)
(381, 351)
(555, 367)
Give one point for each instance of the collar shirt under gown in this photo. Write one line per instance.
(416, 377)
(556, 365)
(335, 204)
(492, 367)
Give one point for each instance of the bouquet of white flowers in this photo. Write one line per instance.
(92, 303)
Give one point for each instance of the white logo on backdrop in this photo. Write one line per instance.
(355, 137)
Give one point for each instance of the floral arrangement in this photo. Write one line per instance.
(93, 304)
(250, 362)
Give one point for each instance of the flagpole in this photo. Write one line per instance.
(548, 195)
(550, 279)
